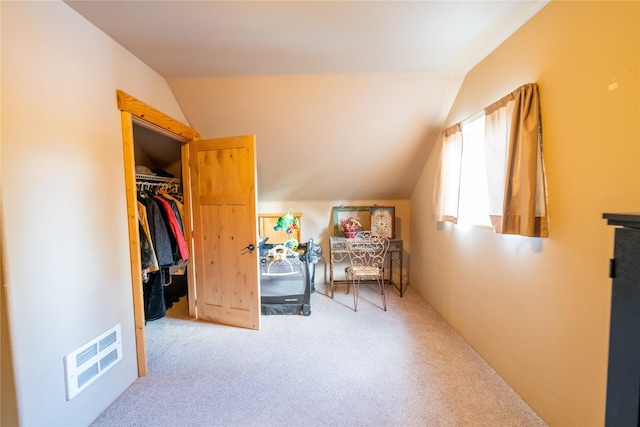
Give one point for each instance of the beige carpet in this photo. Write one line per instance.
(337, 367)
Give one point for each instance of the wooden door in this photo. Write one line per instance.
(223, 192)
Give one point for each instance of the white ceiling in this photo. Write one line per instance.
(205, 38)
(193, 44)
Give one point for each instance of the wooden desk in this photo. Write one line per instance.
(338, 253)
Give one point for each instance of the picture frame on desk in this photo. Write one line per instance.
(383, 220)
(344, 212)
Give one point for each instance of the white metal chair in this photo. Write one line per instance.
(367, 252)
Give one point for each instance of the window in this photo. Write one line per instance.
(473, 206)
(491, 169)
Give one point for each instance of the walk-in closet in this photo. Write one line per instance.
(163, 250)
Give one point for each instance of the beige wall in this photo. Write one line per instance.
(65, 268)
(538, 309)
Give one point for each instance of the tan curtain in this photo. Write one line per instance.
(447, 184)
(513, 135)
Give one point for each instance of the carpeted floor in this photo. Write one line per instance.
(337, 367)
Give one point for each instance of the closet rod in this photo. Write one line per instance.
(155, 178)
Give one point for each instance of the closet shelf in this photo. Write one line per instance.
(154, 178)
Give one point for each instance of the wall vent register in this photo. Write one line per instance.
(89, 362)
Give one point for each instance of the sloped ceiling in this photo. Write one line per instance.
(318, 82)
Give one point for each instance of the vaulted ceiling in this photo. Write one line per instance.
(374, 78)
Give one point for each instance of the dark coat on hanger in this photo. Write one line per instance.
(159, 234)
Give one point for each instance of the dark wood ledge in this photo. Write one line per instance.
(631, 220)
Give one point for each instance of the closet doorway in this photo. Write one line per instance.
(164, 254)
(220, 221)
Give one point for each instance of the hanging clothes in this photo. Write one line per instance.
(147, 254)
(176, 200)
(158, 230)
(154, 300)
(180, 248)
(153, 292)
(160, 213)
(149, 260)
(179, 269)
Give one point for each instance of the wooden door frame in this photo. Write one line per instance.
(133, 110)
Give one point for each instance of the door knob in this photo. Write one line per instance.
(248, 248)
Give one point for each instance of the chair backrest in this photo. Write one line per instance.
(367, 249)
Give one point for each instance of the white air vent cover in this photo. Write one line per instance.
(87, 363)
